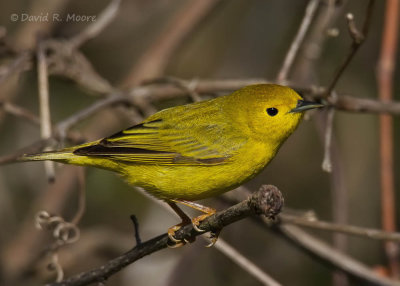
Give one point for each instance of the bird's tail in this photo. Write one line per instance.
(60, 156)
(66, 155)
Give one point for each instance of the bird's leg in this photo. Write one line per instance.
(196, 221)
(171, 231)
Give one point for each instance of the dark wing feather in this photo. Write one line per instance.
(155, 142)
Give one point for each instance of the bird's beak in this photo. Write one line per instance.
(303, 105)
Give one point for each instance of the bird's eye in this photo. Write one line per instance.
(272, 111)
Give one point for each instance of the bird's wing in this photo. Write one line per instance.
(157, 142)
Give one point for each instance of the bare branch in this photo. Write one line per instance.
(245, 264)
(135, 223)
(268, 201)
(64, 126)
(327, 162)
(342, 228)
(64, 60)
(249, 267)
(81, 197)
(386, 67)
(298, 40)
(19, 111)
(328, 254)
(20, 63)
(45, 121)
(358, 39)
(94, 29)
(153, 62)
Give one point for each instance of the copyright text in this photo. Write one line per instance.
(54, 17)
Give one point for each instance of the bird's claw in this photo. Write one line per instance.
(213, 237)
(171, 236)
(176, 245)
(178, 242)
(195, 225)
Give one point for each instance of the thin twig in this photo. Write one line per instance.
(322, 251)
(56, 266)
(21, 62)
(268, 201)
(45, 121)
(188, 86)
(19, 111)
(94, 29)
(64, 126)
(327, 162)
(358, 39)
(339, 194)
(342, 228)
(153, 62)
(81, 197)
(135, 223)
(245, 264)
(386, 66)
(298, 40)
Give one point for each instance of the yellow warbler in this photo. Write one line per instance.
(198, 150)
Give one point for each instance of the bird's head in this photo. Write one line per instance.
(268, 111)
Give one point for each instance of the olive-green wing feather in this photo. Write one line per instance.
(167, 142)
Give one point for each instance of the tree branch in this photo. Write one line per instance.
(332, 256)
(386, 67)
(44, 101)
(358, 39)
(267, 201)
(94, 29)
(298, 40)
(342, 228)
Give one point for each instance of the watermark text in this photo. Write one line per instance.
(52, 17)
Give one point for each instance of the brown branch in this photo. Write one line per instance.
(95, 28)
(19, 111)
(358, 39)
(298, 40)
(327, 161)
(206, 86)
(153, 62)
(321, 250)
(245, 263)
(385, 75)
(326, 253)
(64, 60)
(222, 245)
(65, 125)
(45, 120)
(341, 228)
(268, 201)
(21, 62)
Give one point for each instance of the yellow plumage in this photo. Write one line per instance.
(196, 150)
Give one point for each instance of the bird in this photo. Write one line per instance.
(195, 151)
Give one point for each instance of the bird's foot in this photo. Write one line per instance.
(207, 211)
(178, 242)
(213, 237)
(213, 234)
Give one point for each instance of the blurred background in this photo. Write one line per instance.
(222, 40)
